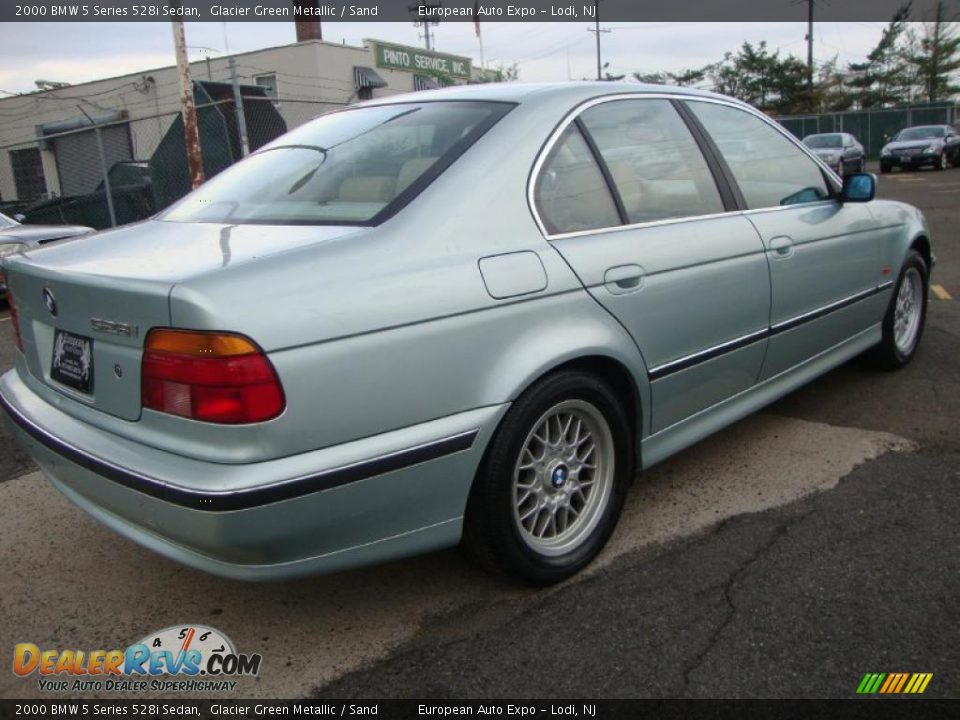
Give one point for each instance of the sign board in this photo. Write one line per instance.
(427, 62)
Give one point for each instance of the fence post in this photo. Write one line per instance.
(103, 168)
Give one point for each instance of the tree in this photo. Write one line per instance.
(761, 78)
(683, 78)
(883, 79)
(935, 57)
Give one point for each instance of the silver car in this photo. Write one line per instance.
(466, 315)
(15, 238)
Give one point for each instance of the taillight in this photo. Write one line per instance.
(15, 321)
(209, 376)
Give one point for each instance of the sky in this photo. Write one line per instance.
(74, 53)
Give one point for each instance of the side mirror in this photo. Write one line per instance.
(859, 187)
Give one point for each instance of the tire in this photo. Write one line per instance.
(884, 168)
(941, 162)
(526, 487)
(905, 318)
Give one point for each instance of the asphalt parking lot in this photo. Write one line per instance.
(786, 556)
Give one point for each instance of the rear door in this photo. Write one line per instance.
(824, 255)
(629, 200)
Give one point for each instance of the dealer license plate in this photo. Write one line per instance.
(72, 363)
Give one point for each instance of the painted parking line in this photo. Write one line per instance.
(941, 292)
(5, 318)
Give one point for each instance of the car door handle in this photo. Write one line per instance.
(782, 246)
(623, 279)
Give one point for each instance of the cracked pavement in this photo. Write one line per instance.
(798, 601)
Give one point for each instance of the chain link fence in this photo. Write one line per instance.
(104, 173)
(872, 128)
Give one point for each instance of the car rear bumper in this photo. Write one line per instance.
(366, 501)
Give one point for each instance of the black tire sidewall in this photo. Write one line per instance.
(490, 509)
(893, 357)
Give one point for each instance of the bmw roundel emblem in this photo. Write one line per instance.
(49, 301)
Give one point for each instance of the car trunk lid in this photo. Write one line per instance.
(85, 307)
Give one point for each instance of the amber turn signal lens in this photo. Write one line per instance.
(213, 377)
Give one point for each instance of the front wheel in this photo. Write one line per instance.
(884, 168)
(553, 481)
(941, 162)
(906, 316)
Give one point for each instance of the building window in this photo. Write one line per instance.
(268, 83)
(28, 175)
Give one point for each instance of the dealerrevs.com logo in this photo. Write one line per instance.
(181, 658)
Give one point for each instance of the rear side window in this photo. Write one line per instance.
(349, 167)
(656, 165)
(769, 169)
(571, 193)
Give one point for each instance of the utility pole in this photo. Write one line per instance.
(427, 9)
(187, 108)
(597, 30)
(238, 108)
(105, 172)
(810, 49)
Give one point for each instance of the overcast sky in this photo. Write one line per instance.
(79, 52)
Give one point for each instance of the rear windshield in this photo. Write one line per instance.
(349, 167)
(823, 141)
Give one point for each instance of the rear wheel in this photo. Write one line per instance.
(551, 486)
(906, 316)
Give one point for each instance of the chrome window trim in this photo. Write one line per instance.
(578, 110)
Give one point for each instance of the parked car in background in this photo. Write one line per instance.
(475, 313)
(935, 145)
(16, 237)
(841, 152)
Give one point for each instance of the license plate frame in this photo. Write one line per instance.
(71, 363)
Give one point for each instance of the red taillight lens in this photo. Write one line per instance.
(15, 321)
(214, 377)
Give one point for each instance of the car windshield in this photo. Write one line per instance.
(6, 222)
(823, 141)
(921, 133)
(347, 167)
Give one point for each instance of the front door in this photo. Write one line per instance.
(628, 199)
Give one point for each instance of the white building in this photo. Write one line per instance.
(46, 151)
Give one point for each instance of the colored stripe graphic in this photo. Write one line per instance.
(894, 683)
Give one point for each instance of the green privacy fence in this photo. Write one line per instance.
(872, 127)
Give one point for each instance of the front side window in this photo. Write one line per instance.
(769, 169)
(348, 167)
(654, 161)
(571, 193)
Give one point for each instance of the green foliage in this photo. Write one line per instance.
(905, 66)
(934, 57)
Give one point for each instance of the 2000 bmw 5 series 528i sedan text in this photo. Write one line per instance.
(461, 315)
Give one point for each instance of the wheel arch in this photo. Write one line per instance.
(921, 243)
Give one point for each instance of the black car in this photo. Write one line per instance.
(842, 152)
(936, 145)
(15, 238)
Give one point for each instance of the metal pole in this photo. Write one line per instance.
(810, 51)
(596, 17)
(103, 168)
(238, 108)
(187, 108)
(426, 34)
